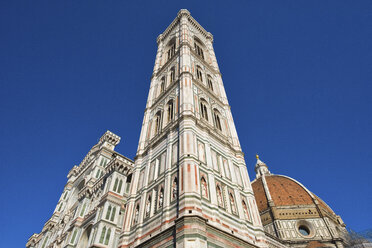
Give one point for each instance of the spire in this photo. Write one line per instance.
(261, 168)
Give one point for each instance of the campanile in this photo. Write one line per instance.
(190, 182)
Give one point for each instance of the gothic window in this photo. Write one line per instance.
(148, 206)
(232, 202)
(161, 198)
(245, 210)
(162, 85)
(203, 109)
(219, 196)
(217, 119)
(116, 184)
(107, 239)
(198, 50)
(210, 83)
(103, 162)
(199, 74)
(72, 241)
(103, 233)
(157, 122)
(172, 50)
(127, 185)
(45, 241)
(136, 213)
(170, 111)
(98, 173)
(113, 214)
(120, 185)
(174, 189)
(60, 206)
(105, 236)
(83, 209)
(172, 75)
(64, 197)
(204, 187)
(108, 213)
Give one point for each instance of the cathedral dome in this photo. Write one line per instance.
(285, 191)
(291, 213)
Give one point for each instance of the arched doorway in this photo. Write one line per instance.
(83, 242)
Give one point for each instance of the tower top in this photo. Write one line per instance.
(184, 13)
(109, 140)
(261, 168)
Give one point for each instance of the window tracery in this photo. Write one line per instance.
(210, 83)
(198, 50)
(203, 109)
(170, 111)
(217, 119)
(199, 73)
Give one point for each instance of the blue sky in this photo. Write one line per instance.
(297, 74)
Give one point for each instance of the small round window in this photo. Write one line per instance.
(304, 230)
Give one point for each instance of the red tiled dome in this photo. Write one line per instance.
(284, 191)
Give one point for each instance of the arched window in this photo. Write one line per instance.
(98, 173)
(128, 182)
(170, 111)
(157, 122)
(199, 74)
(103, 233)
(72, 241)
(148, 206)
(108, 213)
(172, 49)
(120, 185)
(60, 206)
(161, 197)
(245, 210)
(107, 239)
(116, 184)
(198, 50)
(203, 109)
(219, 196)
(162, 85)
(64, 197)
(136, 213)
(172, 75)
(45, 241)
(210, 83)
(83, 209)
(174, 189)
(217, 119)
(113, 214)
(204, 187)
(232, 202)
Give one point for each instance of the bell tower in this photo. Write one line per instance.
(190, 183)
